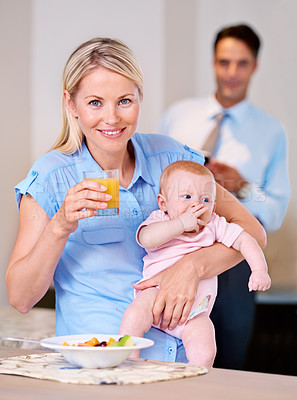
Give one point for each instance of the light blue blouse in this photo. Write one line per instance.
(94, 276)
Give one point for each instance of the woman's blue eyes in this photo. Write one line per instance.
(125, 101)
(97, 103)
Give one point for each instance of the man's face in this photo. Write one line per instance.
(234, 65)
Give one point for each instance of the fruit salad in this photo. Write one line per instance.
(125, 340)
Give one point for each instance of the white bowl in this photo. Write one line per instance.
(94, 357)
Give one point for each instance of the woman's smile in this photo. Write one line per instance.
(106, 106)
(112, 133)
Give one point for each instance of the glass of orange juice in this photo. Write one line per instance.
(109, 179)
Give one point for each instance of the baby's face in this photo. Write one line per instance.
(183, 189)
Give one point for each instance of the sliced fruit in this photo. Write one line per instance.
(93, 342)
(126, 341)
(114, 344)
(111, 340)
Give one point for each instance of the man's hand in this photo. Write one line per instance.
(226, 176)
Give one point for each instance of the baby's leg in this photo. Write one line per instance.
(138, 317)
(199, 341)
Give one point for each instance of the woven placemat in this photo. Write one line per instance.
(52, 366)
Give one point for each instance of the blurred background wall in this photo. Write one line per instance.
(173, 41)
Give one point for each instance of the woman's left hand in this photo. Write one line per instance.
(178, 285)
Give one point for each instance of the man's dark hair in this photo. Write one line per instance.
(243, 33)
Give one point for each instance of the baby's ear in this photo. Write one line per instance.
(161, 202)
(214, 208)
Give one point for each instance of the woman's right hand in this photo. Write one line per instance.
(42, 240)
(82, 201)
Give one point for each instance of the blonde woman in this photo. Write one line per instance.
(95, 260)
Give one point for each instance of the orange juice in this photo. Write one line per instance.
(112, 185)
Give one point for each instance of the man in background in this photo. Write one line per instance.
(246, 149)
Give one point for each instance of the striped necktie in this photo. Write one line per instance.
(209, 145)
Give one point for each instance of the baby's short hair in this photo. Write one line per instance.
(183, 165)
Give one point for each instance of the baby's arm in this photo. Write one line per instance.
(249, 248)
(157, 233)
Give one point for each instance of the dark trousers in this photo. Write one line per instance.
(233, 317)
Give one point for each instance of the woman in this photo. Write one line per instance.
(95, 260)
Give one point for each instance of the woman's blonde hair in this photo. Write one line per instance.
(98, 52)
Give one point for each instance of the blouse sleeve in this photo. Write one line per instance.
(36, 187)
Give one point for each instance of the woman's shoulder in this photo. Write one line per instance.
(52, 161)
(50, 169)
(153, 144)
(48, 180)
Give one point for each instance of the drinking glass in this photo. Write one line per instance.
(109, 179)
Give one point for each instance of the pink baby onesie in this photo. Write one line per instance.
(162, 257)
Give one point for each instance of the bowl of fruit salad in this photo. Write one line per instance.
(96, 350)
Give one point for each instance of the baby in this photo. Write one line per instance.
(185, 222)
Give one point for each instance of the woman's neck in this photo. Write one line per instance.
(128, 166)
(124, 162)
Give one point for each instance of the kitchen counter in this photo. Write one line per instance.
(217, 384)
(39, 323)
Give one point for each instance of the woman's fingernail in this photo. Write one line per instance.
(102, 187)
(108, 196)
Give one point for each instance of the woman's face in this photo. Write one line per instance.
(107, 107)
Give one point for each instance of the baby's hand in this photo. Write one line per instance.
(190, 218)
(259, 280)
